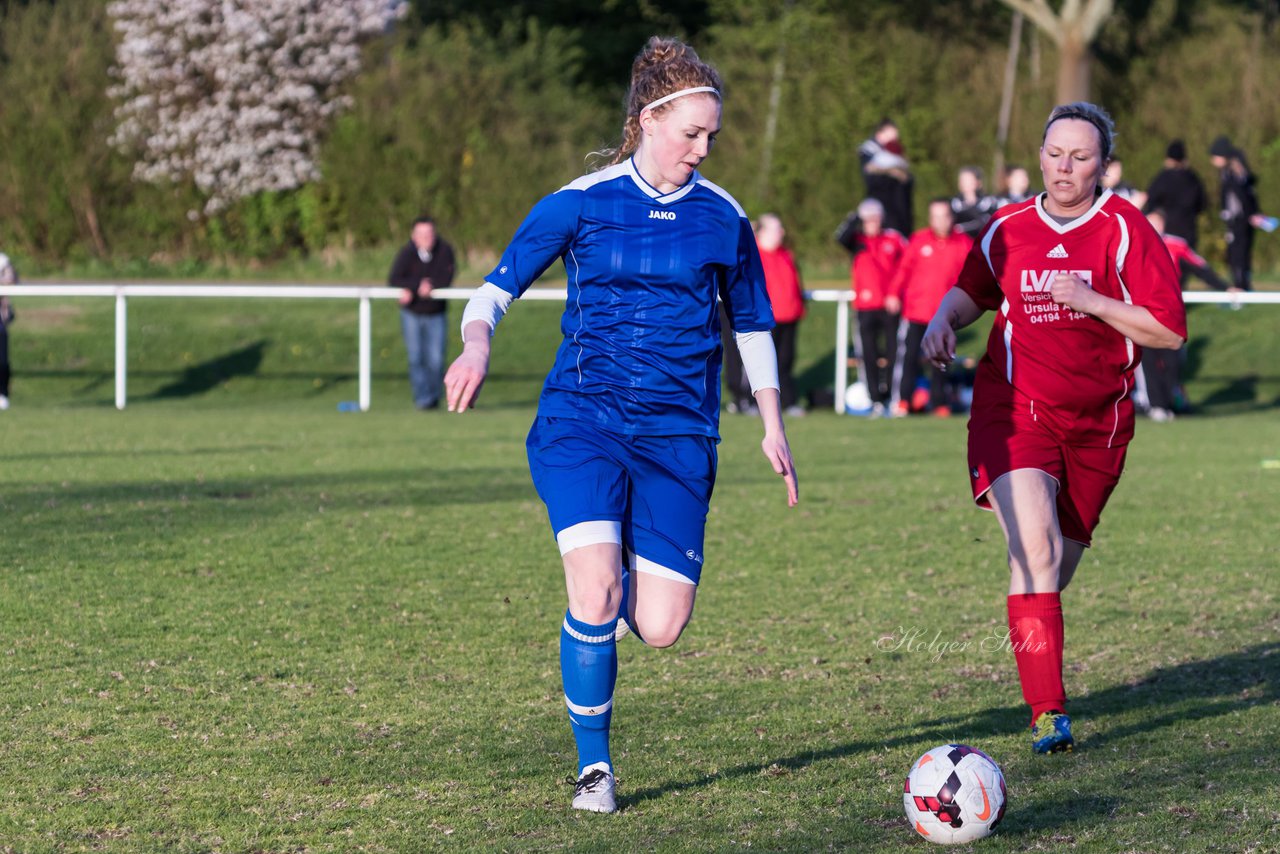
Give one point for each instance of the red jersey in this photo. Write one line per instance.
(1071, 369)
(871, 274)
(1180, 250)
(928, 270)
(782, 280)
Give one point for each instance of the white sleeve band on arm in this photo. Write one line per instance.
(488, 304)
(759, 359)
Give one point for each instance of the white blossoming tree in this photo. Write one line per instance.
(233, 94)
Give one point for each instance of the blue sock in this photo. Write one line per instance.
(589, 668)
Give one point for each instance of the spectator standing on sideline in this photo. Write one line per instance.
(786, 295)
(740, 400)
(887, 175)
(1161, 369)
(424, 265)
(1017, 186)
(1188, 262)
(1239, 208)
(971, 207)
(1113, 180)
(8, 276)
(932, 263)
(1178, 193)
(877, 252)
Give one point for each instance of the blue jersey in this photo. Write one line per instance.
(641, 349)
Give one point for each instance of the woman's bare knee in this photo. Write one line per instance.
(1040, 557)
(663, 635)
(663, 608)
(593, 580)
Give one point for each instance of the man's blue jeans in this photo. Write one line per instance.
(425, 337)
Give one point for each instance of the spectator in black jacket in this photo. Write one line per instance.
(971, 207)
(8, 276)
(424, 265)
(1239, 209)
(887, 175)
(1017, 186)
(1178, 192)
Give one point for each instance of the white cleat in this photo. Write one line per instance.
(4, 402)
(594, 789)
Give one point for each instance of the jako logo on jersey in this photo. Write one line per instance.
(1040, 281)
(1058, 251)
(662, 214)
(693, 556)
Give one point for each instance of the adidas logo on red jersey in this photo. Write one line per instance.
(1058, 251)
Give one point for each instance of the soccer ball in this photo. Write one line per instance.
(954, 794)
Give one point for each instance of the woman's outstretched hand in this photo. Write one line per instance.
(466, 376)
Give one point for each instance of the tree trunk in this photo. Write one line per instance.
(91, 220)
(1073, 69)
(771, 122)
(1006, 100)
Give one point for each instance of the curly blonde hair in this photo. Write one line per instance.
(662, 67)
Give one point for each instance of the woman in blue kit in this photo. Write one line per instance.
(623, 450)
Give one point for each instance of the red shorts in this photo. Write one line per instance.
(1010, 436)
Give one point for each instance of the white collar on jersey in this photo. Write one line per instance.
(652, 191)
(1075, 223)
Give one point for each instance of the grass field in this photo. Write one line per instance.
(233, 619)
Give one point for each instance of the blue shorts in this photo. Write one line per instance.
(648, 494)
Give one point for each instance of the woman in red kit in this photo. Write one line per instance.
(1080, 282)
(877, 251)
(782, 280)
(933, 259)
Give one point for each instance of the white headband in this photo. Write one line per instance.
(695, 90)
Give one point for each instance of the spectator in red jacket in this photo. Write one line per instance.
(929, 268)
(877, 251)
(782, 280)
(1162, 369)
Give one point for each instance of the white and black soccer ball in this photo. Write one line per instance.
(953, 794)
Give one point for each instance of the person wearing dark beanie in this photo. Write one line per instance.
(1221, 147)
(1239, 206)
(1178, 191)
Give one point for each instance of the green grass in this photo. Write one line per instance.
(233, 619)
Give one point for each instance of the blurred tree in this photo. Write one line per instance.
(234, 96)
(1073, 28)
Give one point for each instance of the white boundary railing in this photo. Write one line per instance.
(365, 295)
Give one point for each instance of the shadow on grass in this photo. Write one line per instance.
(1235, 395)
(133, 453)
(1192, 691)
(134, 504)
(1195, 690)
(208, 375)
(504, 390)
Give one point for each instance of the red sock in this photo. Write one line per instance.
(1035, 632)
